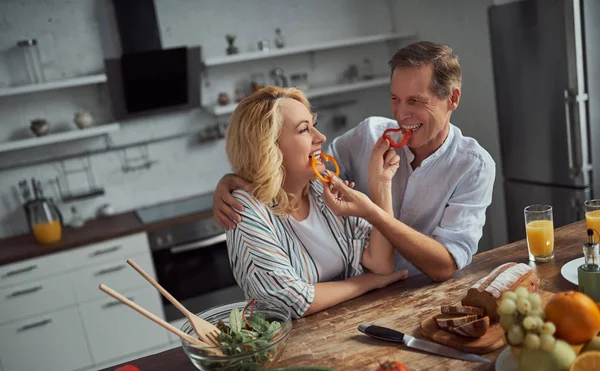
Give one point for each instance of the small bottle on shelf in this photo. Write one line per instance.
(279, 40)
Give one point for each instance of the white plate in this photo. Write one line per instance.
(506, 361)
(569, 270)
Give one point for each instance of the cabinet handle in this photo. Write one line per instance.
(115, 303)
(24, 292)
(105, 251)
(109, 270)
(35, 324)
(19, 271)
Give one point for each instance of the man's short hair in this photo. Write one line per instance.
(446, 67)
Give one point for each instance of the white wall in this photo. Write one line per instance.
(463, 25)
(75, 36)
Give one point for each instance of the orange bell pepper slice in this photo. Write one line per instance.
(406, 134)
(326, 158)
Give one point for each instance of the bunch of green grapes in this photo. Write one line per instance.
(522, 318)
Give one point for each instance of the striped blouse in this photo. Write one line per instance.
(269, 261)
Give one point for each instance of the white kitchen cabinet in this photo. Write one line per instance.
(31, 269)
(109, 251)
(114, 330)
(51, 342)
(35, 297)
(117, 275)
(54, 317)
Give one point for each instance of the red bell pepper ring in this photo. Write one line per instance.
(326, 158)
(406, 134)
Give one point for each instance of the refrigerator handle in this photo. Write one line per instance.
(575, 169)
(572, 168)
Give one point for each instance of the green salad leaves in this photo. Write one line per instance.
(244, 335)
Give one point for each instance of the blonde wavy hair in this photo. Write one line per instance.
(253, 149)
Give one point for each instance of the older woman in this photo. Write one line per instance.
(290, 249)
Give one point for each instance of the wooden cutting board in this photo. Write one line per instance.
(492, 340)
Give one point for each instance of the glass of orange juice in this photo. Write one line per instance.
(592, 215)
(45, 221)
(539, 226)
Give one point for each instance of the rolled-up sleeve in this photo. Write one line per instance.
(462, 223)
(260, 265)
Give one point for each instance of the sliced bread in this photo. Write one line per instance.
(473, 329)
(487, 292)
(461, 309)
(453, 320)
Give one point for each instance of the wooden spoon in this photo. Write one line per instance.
(205, 330)
(152, 317)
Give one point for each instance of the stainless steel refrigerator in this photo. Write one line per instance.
(546, 64)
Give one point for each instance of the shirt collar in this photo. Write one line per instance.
(440, 151)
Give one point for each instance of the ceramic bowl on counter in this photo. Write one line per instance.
(247, 356)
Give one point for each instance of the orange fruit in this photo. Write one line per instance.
(588, 361)
(575, 315)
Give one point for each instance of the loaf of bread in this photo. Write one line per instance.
(452, 320)
(487, 292)
(473, 329)
(459, 309)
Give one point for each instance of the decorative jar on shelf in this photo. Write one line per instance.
(39, 127)
(83, 119)
(223, 99)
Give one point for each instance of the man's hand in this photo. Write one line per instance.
(224, 205)
(383, 165)
(345, 201)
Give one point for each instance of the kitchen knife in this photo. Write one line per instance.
(387, 334)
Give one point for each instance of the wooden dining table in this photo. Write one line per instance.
(331, 338)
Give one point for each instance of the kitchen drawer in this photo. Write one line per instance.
(117, 275)
(30, 269)
(35, 297)
(52, 342)
(114, 330)
(109, 251)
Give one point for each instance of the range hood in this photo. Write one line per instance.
(148, 79)
(137, 25)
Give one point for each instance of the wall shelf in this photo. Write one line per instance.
(217, 110)
(289, 50)
(53, 85)
(59, 137)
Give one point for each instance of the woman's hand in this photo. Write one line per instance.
(384, 164)
(345, 201)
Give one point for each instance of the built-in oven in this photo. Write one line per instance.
(190, 257)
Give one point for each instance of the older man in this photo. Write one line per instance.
(444, 184)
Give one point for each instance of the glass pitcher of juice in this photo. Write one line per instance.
(45, 221)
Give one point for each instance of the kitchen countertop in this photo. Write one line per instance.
(330, 338)
(24, 247)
